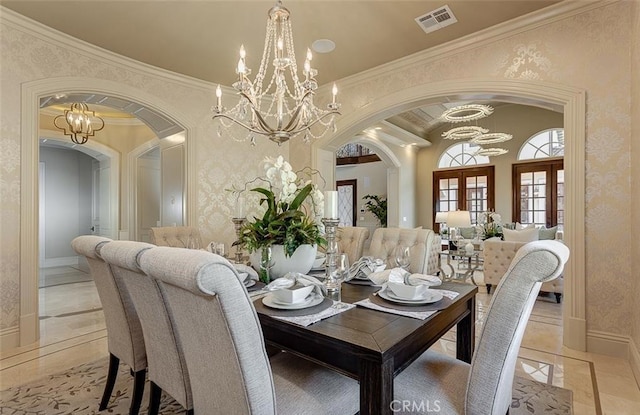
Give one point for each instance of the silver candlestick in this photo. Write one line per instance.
(237, 224)
(330, 226)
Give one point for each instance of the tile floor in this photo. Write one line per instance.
(73, 332)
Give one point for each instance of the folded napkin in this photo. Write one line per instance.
(398, 274)
(362, 268)
(420, 315)
(314, 318)
(245, 269)
(291, 278)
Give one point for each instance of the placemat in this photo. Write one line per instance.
(438, 305)
(358, 281)
(274, 312)
(257, 286)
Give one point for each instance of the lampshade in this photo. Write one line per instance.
(441, 217)
(459, 219)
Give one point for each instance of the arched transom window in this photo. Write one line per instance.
(461, 154)
(545, 144)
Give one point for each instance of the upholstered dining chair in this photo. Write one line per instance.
(424, 245)
(351, 241)
(228, 365)
(167, 370)
(176, 236)
(124, 332)
(485, 385)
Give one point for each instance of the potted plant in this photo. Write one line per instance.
(378, 206)
(289, 225)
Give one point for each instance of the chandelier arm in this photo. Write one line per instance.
(316, 121)
(241, 124)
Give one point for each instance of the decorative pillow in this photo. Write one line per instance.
(544, 233)
(525, 235)
(520, 226)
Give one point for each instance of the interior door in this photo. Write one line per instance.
(347, 201)
(101, 204)
(147, 193)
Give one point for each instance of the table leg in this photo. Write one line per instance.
(376, 387)
(466, 333)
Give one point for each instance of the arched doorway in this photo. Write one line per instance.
(570, 101)
(32, 93)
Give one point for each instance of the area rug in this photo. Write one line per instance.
(78, 391)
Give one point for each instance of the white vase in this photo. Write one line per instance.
(301, 261)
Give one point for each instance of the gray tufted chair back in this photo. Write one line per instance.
(351, 241)
(422, 242)
(175, 236)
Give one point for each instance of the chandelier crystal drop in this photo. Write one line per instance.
(465, 132)
(464, 113)
(80, 123)
(277, 107)
(491, 138)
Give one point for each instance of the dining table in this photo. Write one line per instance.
(374, 346)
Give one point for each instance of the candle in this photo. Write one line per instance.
(239, 207)
(331, 204)
(219, 96)
(334, 92)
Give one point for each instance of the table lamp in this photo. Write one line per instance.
(455, 220)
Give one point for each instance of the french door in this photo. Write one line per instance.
(538, 193)
(347, 201)
(471, 189)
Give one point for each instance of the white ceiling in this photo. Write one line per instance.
(201, 38)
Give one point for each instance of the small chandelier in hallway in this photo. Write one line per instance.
(272, 106)
(80, 123)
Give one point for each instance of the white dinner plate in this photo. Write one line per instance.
(249, 283)
(320, 268)
(431, 296)
(310, 301)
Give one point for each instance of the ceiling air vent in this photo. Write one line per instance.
(436, 19)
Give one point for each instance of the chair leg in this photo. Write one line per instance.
(114, 362)
(558, 297)
(189, 411)
(488, 288)
(154, 398)
(138, 390)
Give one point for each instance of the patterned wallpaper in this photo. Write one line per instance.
(635, 169)
(589, 50)
(26, 56)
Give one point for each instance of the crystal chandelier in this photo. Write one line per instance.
(80, 122)
(474, 134)
(275, 107)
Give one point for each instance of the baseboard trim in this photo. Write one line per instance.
(9, 338)
(608, 344)
(60, 262)
(634, 360)
(574, 332)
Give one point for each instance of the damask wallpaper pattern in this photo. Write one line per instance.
(589, 50)
(635, 170)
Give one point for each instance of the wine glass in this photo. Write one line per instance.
(266, 263)
(193, 242)
(341, 273)
(403, 256)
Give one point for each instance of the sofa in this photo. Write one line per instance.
(498, 255)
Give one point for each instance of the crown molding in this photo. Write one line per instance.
(24, 24)
(531, 21)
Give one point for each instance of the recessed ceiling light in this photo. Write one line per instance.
(323, 45)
